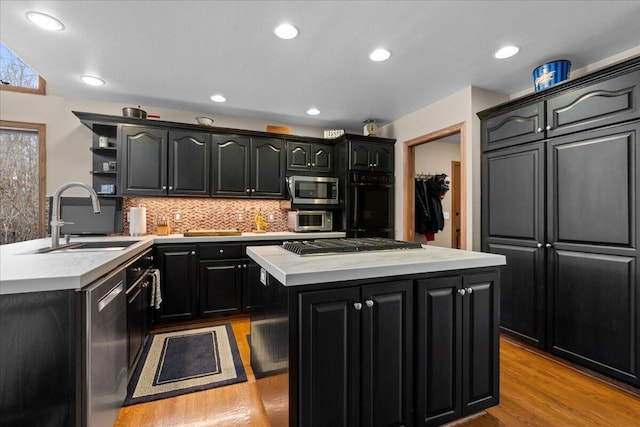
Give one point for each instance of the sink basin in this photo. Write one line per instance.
(97, 246)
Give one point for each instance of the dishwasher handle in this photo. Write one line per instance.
(110, 296)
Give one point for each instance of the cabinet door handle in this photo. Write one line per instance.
(369, 303)
(469, 290)
(539, 130)
(357, 305)
(462, 291)
(548, 127)
(548, 245)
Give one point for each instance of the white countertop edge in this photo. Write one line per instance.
(297, 278)
(39, 272)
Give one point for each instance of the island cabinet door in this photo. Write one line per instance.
(329, 372)
(387, 354)
(439, 350)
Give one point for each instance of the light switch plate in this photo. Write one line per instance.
(445, 214)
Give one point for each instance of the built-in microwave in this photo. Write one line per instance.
(313, 190)
(301, 221)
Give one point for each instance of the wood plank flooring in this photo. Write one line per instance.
(535, 390)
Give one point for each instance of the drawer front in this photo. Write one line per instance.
(604, 103)
(139, 266)
(524, 124)
(220, 250)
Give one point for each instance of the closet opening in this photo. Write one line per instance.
(426, 157)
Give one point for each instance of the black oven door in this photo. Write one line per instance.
(370, 206)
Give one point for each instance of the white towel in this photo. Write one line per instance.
(156, 297)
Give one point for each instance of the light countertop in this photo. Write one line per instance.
(22, 269)
(292, 270)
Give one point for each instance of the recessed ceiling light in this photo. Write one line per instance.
(45, 21)
(92, 81)
(506, 52)
(286, 31)
(379, 55)
(313, 111)
(218, 98)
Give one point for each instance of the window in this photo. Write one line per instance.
(17, 76)
(22, 181)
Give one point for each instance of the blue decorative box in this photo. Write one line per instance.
(551, 73)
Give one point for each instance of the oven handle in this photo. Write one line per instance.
(371, 184)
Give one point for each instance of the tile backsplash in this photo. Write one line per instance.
(207, 213)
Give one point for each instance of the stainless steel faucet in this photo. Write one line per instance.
(56, 221)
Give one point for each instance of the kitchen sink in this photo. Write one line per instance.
(89, 246)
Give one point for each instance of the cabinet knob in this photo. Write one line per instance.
(357, 306)
(137, 269)
(247, 190)
(244, 265)
(370, 164)
(170, 188)
(308, 164)
(148, 258)
(164, 187)
(313, 164)
(548, 245)
(193, 252)
(145, 284)
(375, 165)
(539, 130)
(462, 291)
(369, 303)
(221, 251)
(469, 290)
(539, 245)
(253, 190)
(548, 127)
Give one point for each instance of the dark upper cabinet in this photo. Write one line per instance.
(157, 162)
(524, 124)
(189, 163)
(177, 265)
(143, 153)
(369, 332)
(371, 156)
(457, 365)
(308, 157)
(248, 166)
(612, 101)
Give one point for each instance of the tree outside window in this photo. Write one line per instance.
(16, 75)
(21, 182)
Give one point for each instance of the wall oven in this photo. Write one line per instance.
(370, 205)
(313, 190)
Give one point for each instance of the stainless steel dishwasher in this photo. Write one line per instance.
(104, 350)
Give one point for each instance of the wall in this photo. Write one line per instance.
(68, 141)
(435, 158)
(456, 108)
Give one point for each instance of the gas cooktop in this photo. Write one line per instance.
(349, 245)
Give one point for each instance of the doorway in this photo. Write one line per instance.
(460, 185)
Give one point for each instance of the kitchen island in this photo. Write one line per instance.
(395, 337)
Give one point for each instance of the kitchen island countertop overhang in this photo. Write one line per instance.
(294, 270)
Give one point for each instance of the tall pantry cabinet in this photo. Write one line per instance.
(560, 195)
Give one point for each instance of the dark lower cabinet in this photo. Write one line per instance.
(458, 347)
(356, 356)
(177, 265)
(220, 287)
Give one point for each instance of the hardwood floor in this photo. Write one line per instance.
(535, 390)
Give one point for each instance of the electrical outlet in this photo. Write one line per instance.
(240, 216)
(272, 217)
(177, 217)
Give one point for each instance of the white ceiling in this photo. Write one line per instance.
(176, 54)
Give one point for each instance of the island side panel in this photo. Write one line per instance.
(37, 358)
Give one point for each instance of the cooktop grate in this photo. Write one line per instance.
(349, 245)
